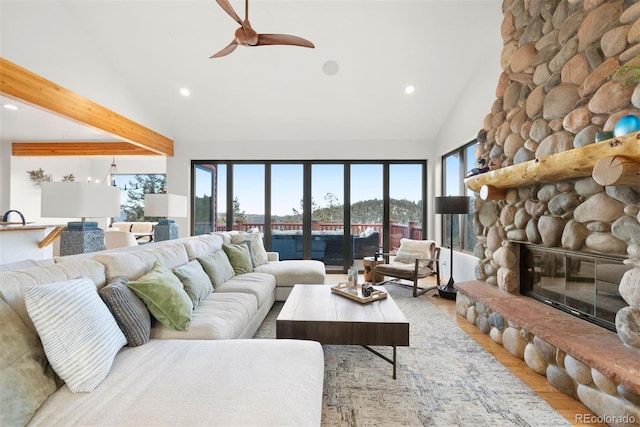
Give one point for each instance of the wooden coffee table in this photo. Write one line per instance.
(313, 312)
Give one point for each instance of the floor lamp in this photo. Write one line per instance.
(452, 205)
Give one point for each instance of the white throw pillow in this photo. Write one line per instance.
(258, 252)
(410, 250)
(78, 332)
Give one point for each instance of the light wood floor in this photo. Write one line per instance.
(570, 409)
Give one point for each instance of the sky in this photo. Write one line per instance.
(286, 193)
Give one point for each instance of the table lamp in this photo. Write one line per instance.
(73, 199)
(451, 205)
(165, 206)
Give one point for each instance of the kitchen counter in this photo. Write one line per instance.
(31, 241)
(17, 226)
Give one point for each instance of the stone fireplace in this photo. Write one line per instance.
(543, 139)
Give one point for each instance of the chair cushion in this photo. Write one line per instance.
(402, 270)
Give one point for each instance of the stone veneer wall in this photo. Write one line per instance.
(554, 95)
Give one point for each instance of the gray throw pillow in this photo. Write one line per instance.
(217, 266)
(195, 281)
(130, 312)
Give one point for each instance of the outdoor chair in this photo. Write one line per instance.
(414, 260)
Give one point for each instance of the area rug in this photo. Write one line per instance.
(444, 378)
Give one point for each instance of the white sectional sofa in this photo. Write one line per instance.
(203, 375)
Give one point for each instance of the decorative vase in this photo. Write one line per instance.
(626, 124)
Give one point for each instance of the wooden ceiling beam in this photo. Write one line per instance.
(78, 148)
(23, 85)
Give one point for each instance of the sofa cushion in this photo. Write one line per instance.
(79, 335)
(239, 255)
(129, 311)
(133, 263)
(258, 252)
(12, 283)
(165, 297)
(217, 266)
(236, 383)
(261, 285)
(195, 281)
(291, 272)
(26, 379)
(220, 315)
(201, 245)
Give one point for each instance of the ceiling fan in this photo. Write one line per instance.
(247, 36)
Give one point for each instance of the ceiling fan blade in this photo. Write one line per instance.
(226, 6)
(226, 51)
(283, 39)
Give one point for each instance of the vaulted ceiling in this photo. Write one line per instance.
(134, 57)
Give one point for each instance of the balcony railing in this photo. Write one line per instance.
(396, 231)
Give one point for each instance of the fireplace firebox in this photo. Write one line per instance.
(582, 284)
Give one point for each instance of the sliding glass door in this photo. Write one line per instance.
(287, 210)
(327, 215)
(337, 212)
(406, 206)
(367, 210)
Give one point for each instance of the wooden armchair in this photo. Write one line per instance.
(414, 260)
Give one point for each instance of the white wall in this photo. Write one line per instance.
(461, 127)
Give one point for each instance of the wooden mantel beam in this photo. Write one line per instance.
(78, 148)
(25, 86)
(571, 164)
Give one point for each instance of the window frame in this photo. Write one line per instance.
(465, 221)
(307, 190)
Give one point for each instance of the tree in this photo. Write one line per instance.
(133, 208)
(332, 201)
(238, 215)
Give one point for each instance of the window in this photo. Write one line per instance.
(335, 211)
(134, 187)
(456, 164)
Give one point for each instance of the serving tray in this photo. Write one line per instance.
(355, 294)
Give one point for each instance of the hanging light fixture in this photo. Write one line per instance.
(113, 169)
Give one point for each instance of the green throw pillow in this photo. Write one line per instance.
(195, 281)
(217, 267)
(165, 297)
(26, 379)
(240, 256)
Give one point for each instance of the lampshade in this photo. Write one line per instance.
(79, 200)
(165, 205)
(451, 205)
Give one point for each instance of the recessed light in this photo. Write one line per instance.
(184, 91)
(10, 106)
(409, 89)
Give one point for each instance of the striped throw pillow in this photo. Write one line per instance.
(79, 335)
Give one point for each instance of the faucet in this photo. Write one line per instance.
(5, 217)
